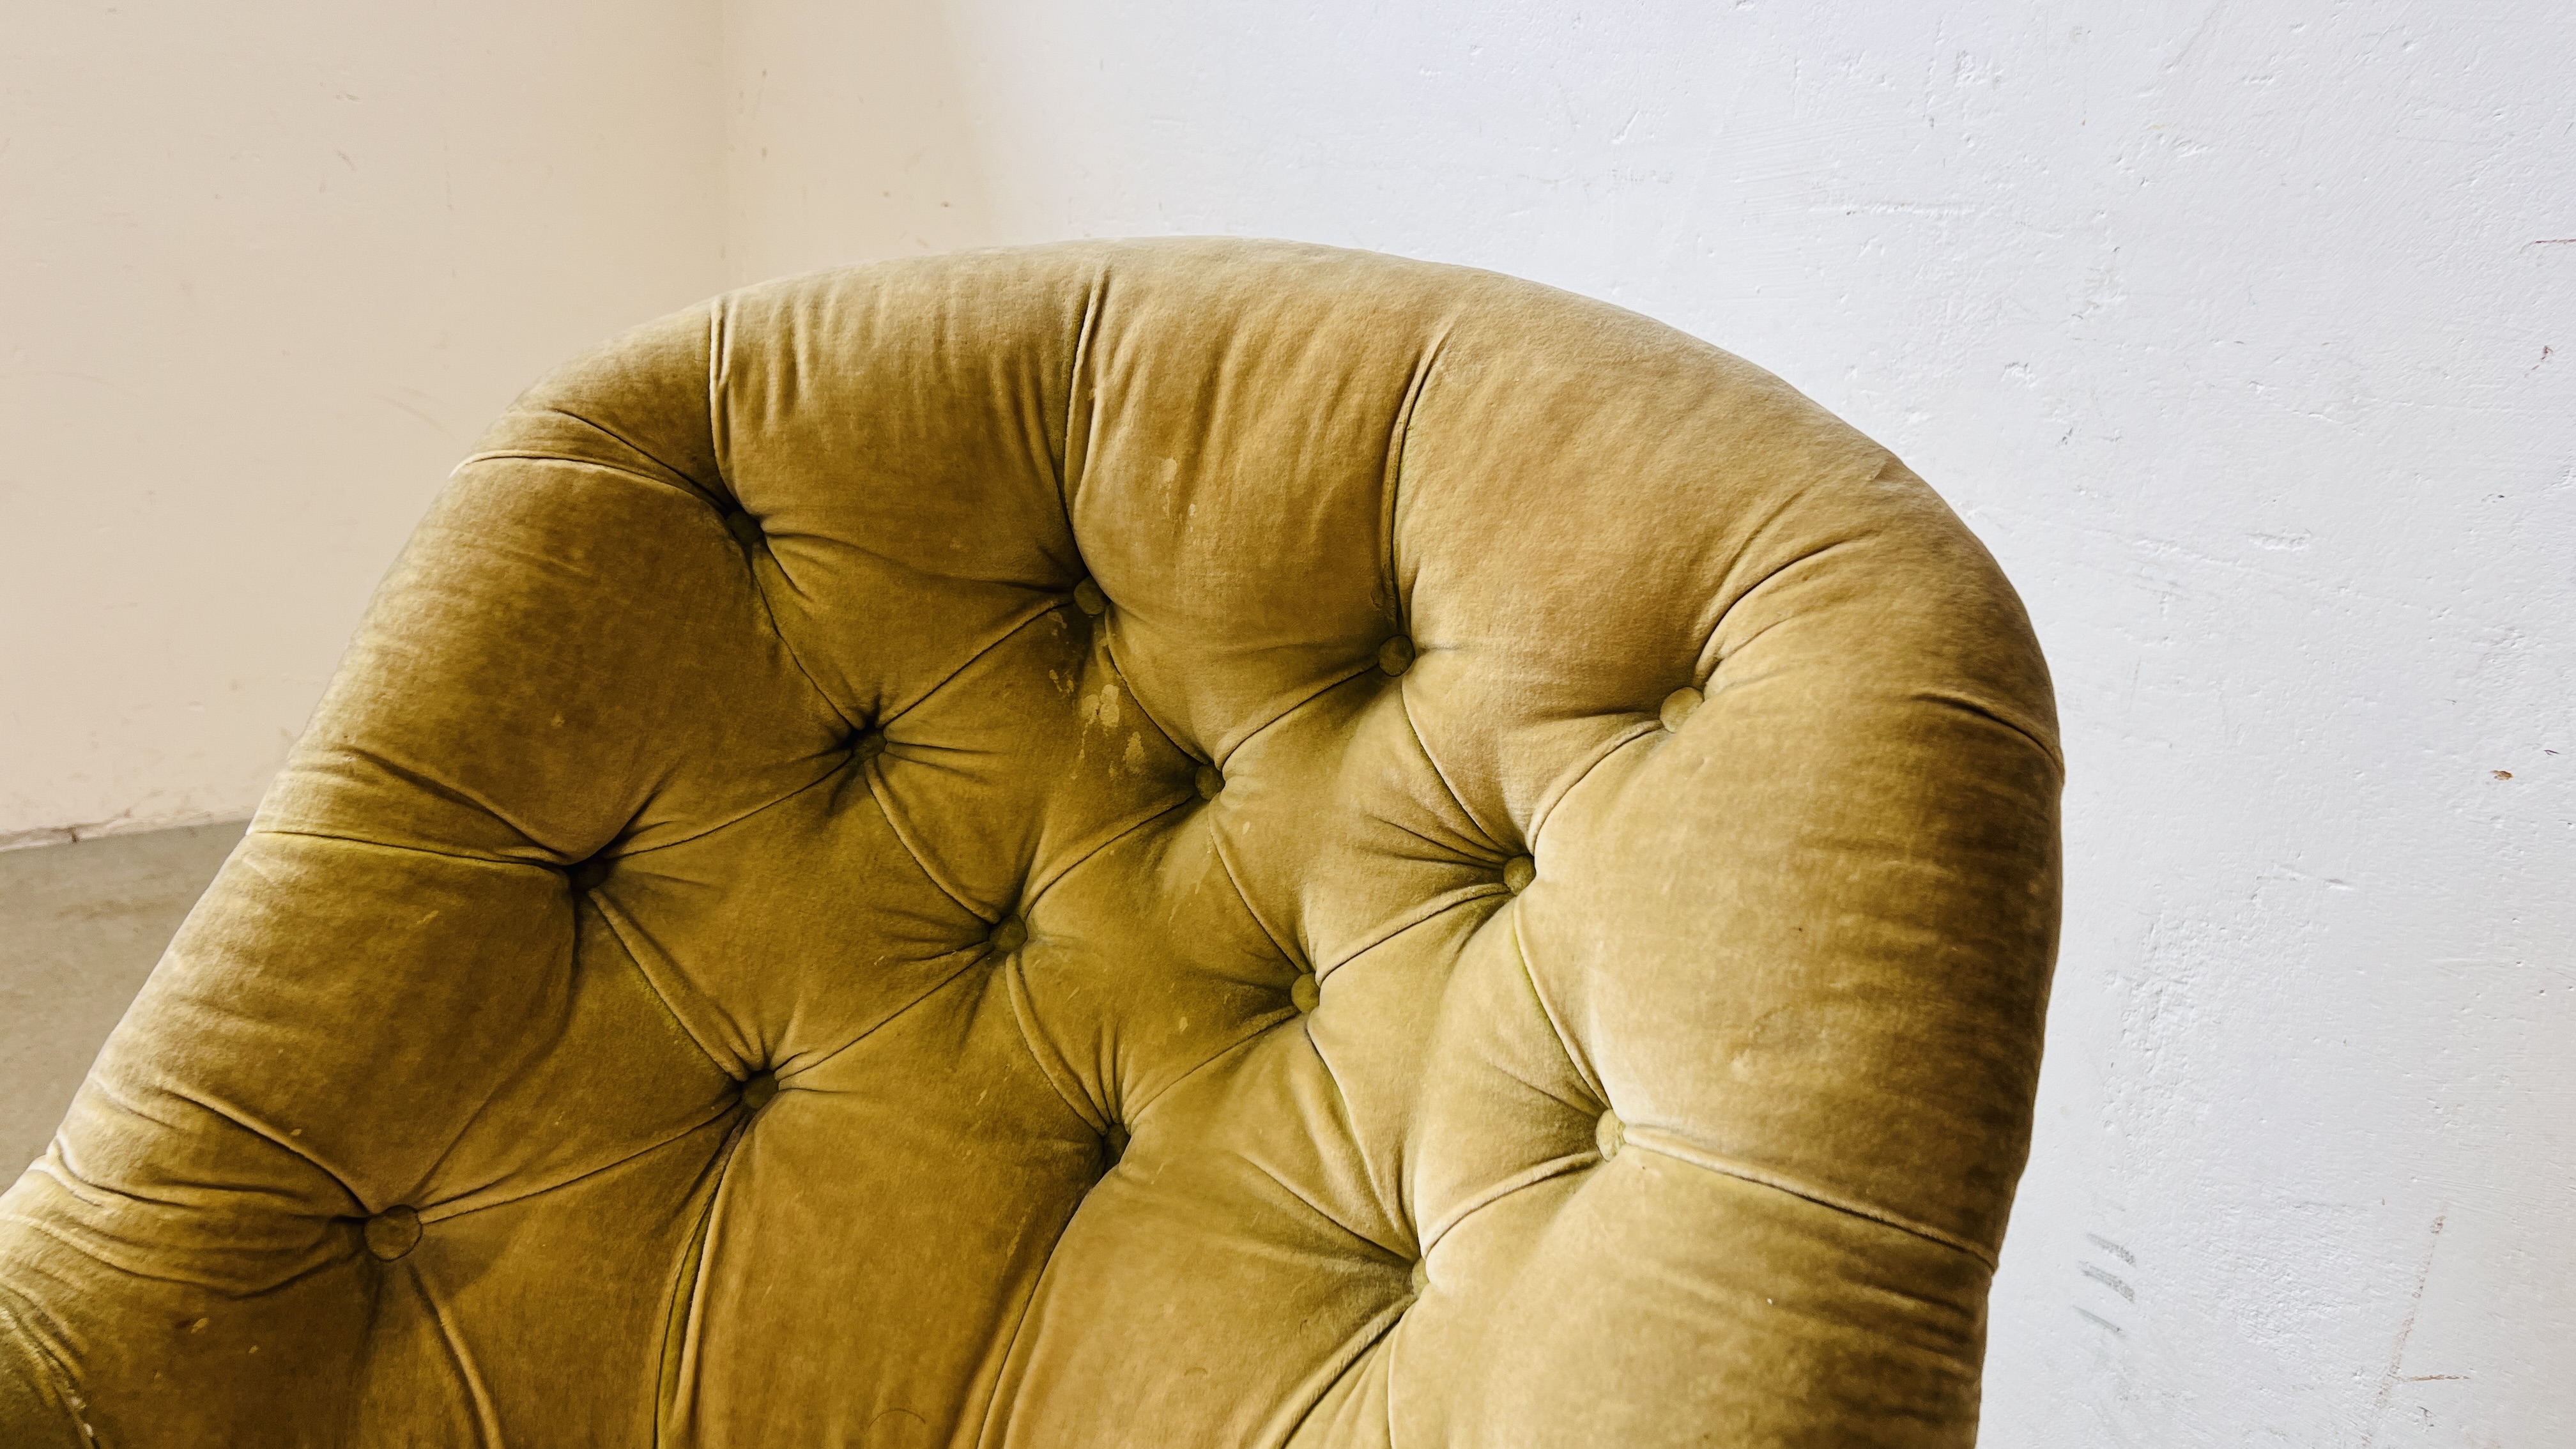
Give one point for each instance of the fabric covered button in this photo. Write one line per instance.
(1088, 598)
(1010, 935)
(756, 1091)
(1210, 783)
(586, 875)
(1421, 1275)
(392, 1233)
(1678, 706)
(868, 746)
(1305, 992)
(1395, 656)
(1518, 872)
(1609, 1135)
(744, 528)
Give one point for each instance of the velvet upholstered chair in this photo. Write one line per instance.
(1187, 843)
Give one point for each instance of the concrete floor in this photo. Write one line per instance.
(80, 926)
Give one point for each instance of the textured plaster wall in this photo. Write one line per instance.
(2242, 333)
(266, 269)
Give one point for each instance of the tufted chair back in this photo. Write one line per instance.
(1190, 843)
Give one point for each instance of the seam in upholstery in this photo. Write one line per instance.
(1764, 582)
(1424, 915)
(1554, 1167)
(600, 904)
(507, 862)
(1394, 1193)
(1009, 1343)
(1446, 852)
(457, 797)
(912, 849)
(1216, 843)
(1440, 772)
(1353, 1353)
(1397, 448)
(1741, 645)
(970, 959)
(67, 1175)
(1556, 1024)
(719, 443)
(1076, 392)
(1257, 731)
(1753, 539)
(237, 1117)
(729, 822)
(610, 917)
(1050, 1062)
(1350, 1133)
(57, 1164)
(688, 1283)
(786, 646)
(1042, 606)
(719, 440)
(538, 455)
(1390, 1371)
(1969, 706)
(446, 1211)
(437, 789)
(1108, 839)
(1255, 1029)
(1680, 1149)
(515, 1063)
(322, 1264)
(656, 459)
(487, 1424)
(1546, 808)
(1718, 626)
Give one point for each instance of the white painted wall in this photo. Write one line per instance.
(2241, 332)
(849, 135)
(266, 269)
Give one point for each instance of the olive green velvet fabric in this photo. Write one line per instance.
(1185, 843)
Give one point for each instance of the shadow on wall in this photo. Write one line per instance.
(848, 137)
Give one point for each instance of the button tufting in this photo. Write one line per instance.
(392, 1233)
(941, 443)
(1678, 706)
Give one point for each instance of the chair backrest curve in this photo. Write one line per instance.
(1191, 842)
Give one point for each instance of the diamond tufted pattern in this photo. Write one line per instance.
(1179, 843)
